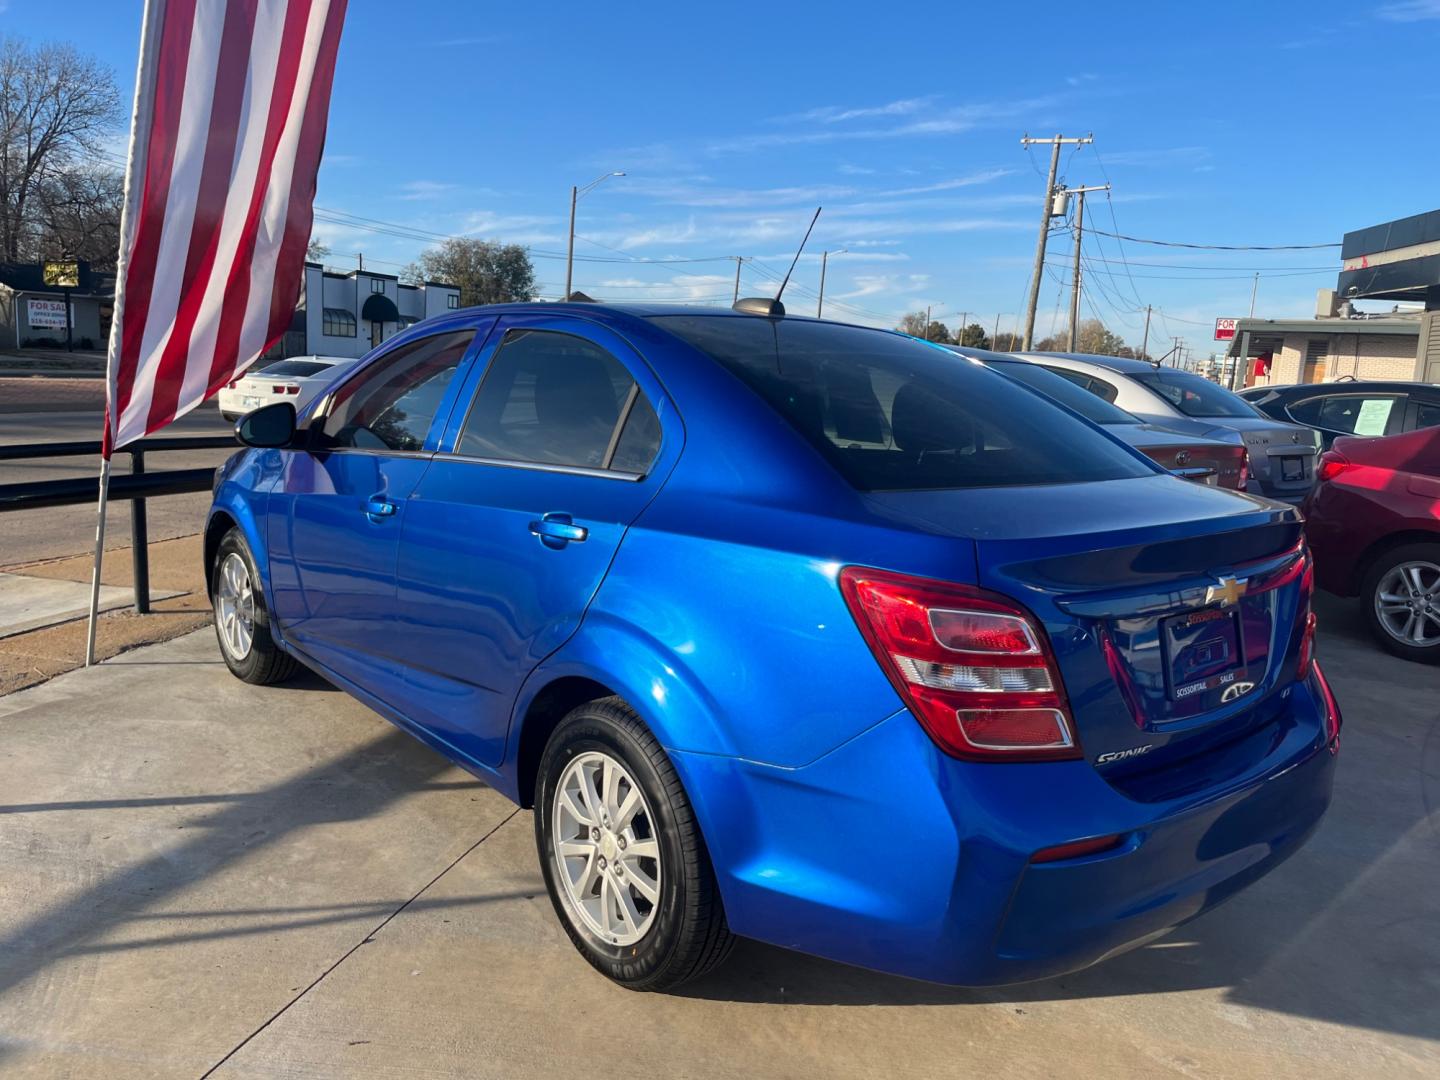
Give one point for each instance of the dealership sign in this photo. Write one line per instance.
(47, 314)
(1225, 329)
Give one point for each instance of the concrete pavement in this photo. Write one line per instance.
(194, 872)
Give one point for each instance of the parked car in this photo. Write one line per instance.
(1352, 407)
(1282, 455)
(791, 630)
(1373, 522)
(1219, 460)
(299, 379)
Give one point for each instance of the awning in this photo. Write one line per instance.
(380, 308)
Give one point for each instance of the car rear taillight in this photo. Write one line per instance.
(285, 388)
(232, 384)
(1333, 721)
(974, 667)
(1332, 464)
(1244, 469)
(1307, 627)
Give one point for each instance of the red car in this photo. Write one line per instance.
(1373, 522)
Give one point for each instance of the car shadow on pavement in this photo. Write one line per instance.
(1347, 931)
(361, 783)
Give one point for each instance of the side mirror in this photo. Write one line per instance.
(270, 426)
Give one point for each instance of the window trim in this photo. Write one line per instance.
(374, 281)
(545, 466)
(452, 301)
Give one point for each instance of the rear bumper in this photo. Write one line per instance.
(889, 855)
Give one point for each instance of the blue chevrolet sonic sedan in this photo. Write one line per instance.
(791, 630)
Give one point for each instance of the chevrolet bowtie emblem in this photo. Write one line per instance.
(1228, 591)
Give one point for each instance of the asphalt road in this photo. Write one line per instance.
(198, 873)
(32, 535)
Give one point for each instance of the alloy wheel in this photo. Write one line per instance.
(235, 606)
(1407, 603)
(606, 849)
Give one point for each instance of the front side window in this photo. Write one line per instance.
(890, 413)
(1194, 396)
(1353, 414)
(391, 404)
(556, 399)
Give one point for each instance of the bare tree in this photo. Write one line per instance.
(76, 212)
(485, 271)
(56, 104)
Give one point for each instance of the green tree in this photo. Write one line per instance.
(484, 271)
(974, 336)
(917, 325)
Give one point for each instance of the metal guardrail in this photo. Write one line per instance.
(136, 486)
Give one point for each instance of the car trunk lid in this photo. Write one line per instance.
(1171, 608)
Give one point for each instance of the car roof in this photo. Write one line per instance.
(1121, 364)
(1348, 386)
(637, 309)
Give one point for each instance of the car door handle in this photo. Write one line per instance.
(557, 530)
(378, 508)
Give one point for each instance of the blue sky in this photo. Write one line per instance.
(1243, 124)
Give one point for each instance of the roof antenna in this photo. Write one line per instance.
(762, 305)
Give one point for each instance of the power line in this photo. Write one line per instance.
(1217, 247)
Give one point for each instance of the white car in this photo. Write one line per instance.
(1282, 456)
(297, 380)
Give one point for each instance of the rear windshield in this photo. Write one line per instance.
(893, 414)
(1095, 409)
(294, 369)
(1195, 396)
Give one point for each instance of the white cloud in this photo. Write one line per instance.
(1410, 11)
(836, 114)
(417, 190)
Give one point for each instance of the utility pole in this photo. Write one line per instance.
(1075, 278)
(1045, 215)
(1175, 351)
(995, 334)
(1254, 288)
(1145, 341)
(926, 334)
(960, 337)
(738, 259)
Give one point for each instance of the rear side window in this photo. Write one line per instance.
(1354, 414)
(1098, 387)
(1065, 391)
(557, 399)
(891, 413)
(391, 404)
(1427, 414)
(1195, 396)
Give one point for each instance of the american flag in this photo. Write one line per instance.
(230, 109)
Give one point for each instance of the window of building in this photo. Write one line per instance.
(392, 404)
(557, 399)
(337, 322)
(452, 301)
(377, 285)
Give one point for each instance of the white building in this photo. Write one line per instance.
(349, 314)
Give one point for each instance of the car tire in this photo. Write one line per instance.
(242, 621)
(1387, 576)
(601, 886)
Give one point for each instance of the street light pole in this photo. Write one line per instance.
(575, 193)
(824, 258)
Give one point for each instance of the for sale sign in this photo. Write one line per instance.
(47, 314)
(1225, 329)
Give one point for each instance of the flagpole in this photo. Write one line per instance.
(99, 553)
(150, 25)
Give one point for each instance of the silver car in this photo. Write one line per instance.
(1282, 456)
(297, 380)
